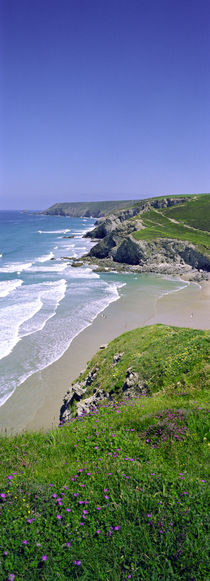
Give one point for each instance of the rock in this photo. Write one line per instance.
(78, 390)
(90, 403)
(77, 264)
(103, 346)
(132, 379)
(133, 385)
(91, 376)
(164, 255)
(75, 393)
(117, 358)
(128, 251)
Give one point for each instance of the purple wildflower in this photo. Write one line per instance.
(44, 557)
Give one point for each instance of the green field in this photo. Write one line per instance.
(194, 213)
(121, 493)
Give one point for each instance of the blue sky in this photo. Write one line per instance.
(103, 99)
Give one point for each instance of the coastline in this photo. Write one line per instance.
(35, 404)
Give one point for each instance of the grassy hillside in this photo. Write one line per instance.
(94, 209)
(189, 221)
(120, 493)
(161, 355)
(195, 213)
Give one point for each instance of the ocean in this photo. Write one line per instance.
(44, 301)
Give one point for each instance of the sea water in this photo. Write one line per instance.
(45, 301)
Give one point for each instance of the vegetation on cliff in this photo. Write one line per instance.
(82, 209)
(120, 493)
(170, 234)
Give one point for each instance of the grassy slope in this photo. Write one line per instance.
(140, 476)
(194, 213)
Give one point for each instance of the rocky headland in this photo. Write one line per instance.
(119, 248)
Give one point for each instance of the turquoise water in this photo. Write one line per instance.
(44, 301)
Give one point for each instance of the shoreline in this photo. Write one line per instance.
(35, 404)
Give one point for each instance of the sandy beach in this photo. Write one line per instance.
(35, 403)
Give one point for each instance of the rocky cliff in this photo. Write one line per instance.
(87, 209)
(117, 247)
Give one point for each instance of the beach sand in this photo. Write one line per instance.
(35, 404)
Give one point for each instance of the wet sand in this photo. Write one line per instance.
(35, 404)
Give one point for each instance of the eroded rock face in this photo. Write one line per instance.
(90, 403)
(162, 255)
(117, 358)
(128, 252)
(75, 393)
(132, 387)
(133, 384)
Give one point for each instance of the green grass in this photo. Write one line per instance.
(195, 213)
(158, 225)
(161, 355)
(135, 471)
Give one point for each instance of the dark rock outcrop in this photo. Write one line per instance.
(75, 404)
(133, 384)
(163, 255)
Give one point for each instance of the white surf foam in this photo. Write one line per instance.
(54, 231)
(7, 286)
(45, 257)
(81, 273)
(10, 320)
(59, 335)
(16, 267)
(58, 267)
(50, 299)
(36, 305)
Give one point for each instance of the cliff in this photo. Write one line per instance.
(148, 237)
(87, 209)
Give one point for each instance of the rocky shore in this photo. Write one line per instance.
(117, 249)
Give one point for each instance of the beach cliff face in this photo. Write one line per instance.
(128, 240)
(164, 255)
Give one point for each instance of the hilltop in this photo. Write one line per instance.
(87, 209)
(168, 235)
(119, 492)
